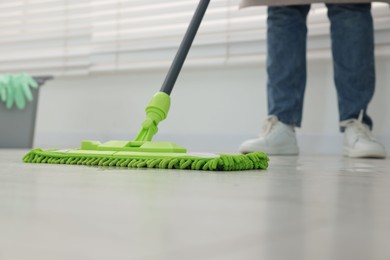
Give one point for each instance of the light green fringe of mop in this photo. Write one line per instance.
(251, 161)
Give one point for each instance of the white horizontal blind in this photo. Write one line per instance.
(76, 37)
(45, 36)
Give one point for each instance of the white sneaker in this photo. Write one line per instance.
(276, 139)
(359, 142)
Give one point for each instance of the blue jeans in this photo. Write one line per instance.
(353, 58)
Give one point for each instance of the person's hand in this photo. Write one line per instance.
(15, 89)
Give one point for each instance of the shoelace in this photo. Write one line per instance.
(361, 129)
(268, 125)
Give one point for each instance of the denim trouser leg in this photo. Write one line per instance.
(286, 62)
(353, 58)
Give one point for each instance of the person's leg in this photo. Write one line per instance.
(353, 58)
(286, 62)
(286, 68)
(354, 73)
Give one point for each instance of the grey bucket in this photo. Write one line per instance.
(17, 126)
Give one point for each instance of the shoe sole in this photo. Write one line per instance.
(274, 151)
(364, 154)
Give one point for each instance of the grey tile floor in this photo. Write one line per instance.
(306, 207)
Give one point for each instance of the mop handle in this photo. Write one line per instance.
(185, 46)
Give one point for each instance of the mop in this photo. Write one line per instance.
(142, 152)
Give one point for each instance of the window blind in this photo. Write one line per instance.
(79, 37)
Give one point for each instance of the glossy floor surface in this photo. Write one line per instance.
(306, 207)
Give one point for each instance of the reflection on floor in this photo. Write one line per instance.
(303, 207)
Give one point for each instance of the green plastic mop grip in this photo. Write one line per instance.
(156, 111)
(158, 107)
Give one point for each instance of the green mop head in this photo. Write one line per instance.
(143, 153)
(182, 161)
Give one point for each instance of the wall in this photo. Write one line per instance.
(213, 109)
